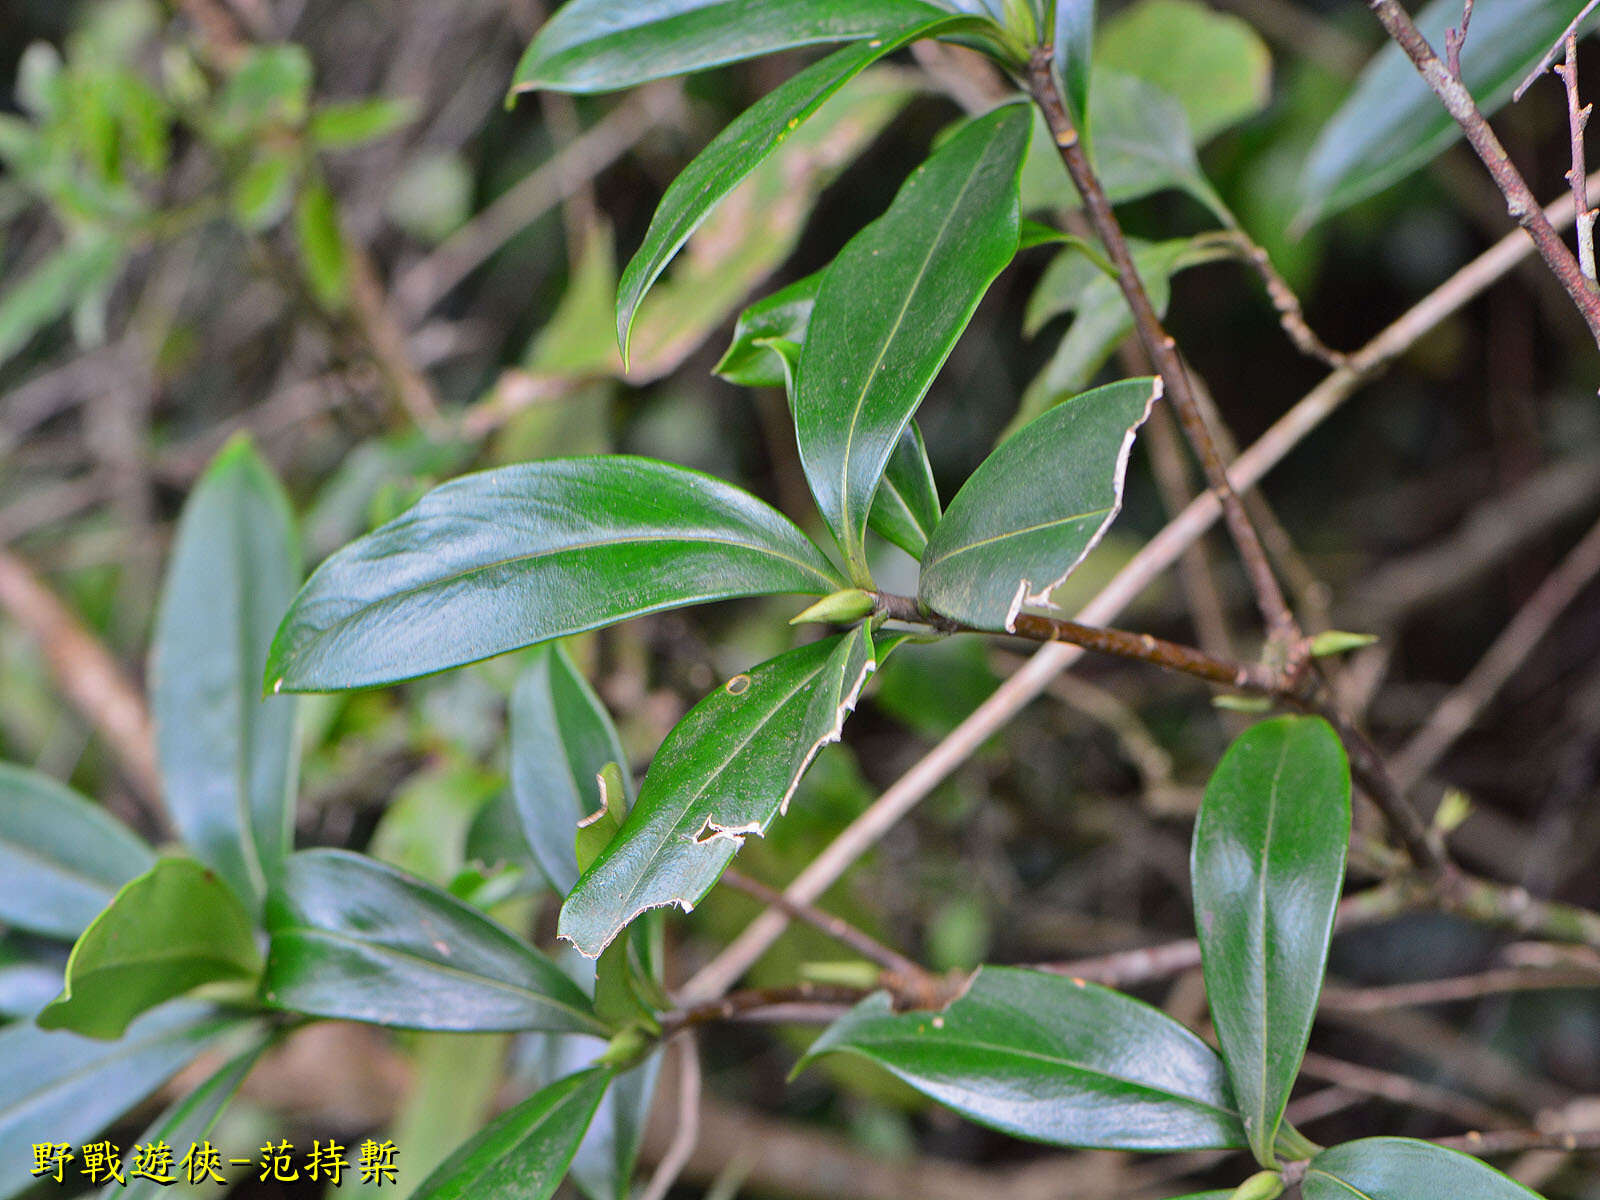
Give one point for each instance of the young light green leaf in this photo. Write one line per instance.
(523, 1153)
(724, 773)
(561, 738)
(84, 265)
(601, 46)
(739, 148)
(265, 188)
(1391, 123)
(228, 756)
(167, 932)
(1053, 1060)
(59, 1087)
(1213, 63)
(1268, 866)
(353, 122)
(1339, 641)
(1034, 508)
(844, 606)
(890, 308)
(506, 558)
(189, 1120)
(323, 257)
(1390, 1168)
(61, 857)
(360, 941)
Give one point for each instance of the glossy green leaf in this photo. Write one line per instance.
(1074, 47)
(506, 558)
(189, 1120)
(1212, 62)
(1268, 866)
(354, 122)
(59, 1087)
(603, 46)
(561, 738)
(228, 755)
(1034, 508)
(323, 256)
(170, 930)
(1390, 1168)
(1391, 123)
(725, 772)
(890, 308)
(358, 940)
(604, 1165)
(523, 1153)
(61, 857)
(1053, 1060)
(740, 147)
(751, 359)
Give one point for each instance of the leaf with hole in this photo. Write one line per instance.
(561, 738)
(1034, 508)
(503, 559)
(1391, 1168)
(724, 773)
(228, 755)
(1268, 867)
(740, 147)
(890, 309)
(1053, 1060)
(357, 940)
(523, 1153)
(603, 46)
(167, 932)
(1391, 123)
(62, 858)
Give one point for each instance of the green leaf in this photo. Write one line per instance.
(357, 940)
(1391, 123)
(172, 929)
(604, 1164)
(502, 559)
(1074, 46)
(323, 256)
(890, 308)
(1268, 865)
(603, 46)
(1053, 1060)
(764, 353)
(739, 148)
(561, 738)
(61, 857)
(1034, 508)
(523, 1153)
(263, 192)
(1389, 1168)
(228, 756)
(725, 772)
(49, 290)
(271, 85)
(59, 1087)
(353, 122)
(189, 1120)
(1213, 63)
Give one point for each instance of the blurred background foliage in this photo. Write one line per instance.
(317, 222)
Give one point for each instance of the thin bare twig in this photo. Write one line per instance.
(681, 1149)
(1463, 987)
(1555, 48)
(1401, 1089)
(1455, 38)
(1577, 122)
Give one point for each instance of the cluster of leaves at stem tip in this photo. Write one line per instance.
(214, 944)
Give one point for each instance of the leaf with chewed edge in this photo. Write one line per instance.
(725, 772)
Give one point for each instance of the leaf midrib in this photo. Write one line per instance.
(1013, 533)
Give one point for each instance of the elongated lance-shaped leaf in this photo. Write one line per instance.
(1391, 123)
(561, 738)
(604, 46)
(170, 930)
(61, 857)
(1074, 46)
(889, 311)
(739, 148)
(1034, 508)
(355, 939)
(1053, 1060)
(765, 352)
(1268, 865)
(190, 1120)
(725, 772)
(1391, 1168)
(503, 559)
(59, 1087)
(523, 1153)
(228, 755)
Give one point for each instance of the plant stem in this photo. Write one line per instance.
(1160, 346)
